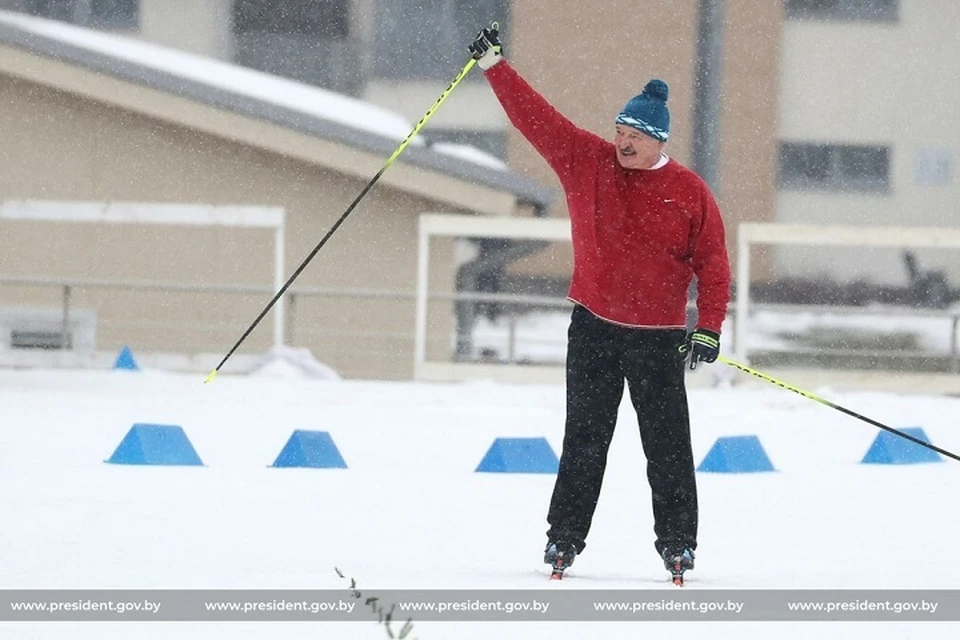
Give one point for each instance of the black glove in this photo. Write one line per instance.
(703, 345)
(487, 49)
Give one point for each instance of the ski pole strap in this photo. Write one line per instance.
(699, 337)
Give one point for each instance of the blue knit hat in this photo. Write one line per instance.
(648, 111)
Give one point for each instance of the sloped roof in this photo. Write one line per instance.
(281, 101)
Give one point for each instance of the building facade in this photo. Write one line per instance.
(398, 54)
(869, 128)
(838, 111)
(798, 111)
(91, 121)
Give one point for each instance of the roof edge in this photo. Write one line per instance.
(524, 189)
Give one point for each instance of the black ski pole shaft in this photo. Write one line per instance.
(833, 405)
(303, 265)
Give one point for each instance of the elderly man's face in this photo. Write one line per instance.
(635, 149)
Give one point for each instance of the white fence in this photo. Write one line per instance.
(145, 214)
(512, 360)
(754, 233)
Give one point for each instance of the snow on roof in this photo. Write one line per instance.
(471, 154)
(284, 92)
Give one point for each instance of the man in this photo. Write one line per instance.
(642, 227)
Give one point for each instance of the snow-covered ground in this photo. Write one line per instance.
(411, 512)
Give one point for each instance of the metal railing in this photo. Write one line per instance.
(899, 356)
(513, 308)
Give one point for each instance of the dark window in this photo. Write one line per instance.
(100, 14)
(115, 14)
(306, 40)
(866, 10)
(834, 167)
(315, 18)
(54, 9)
(428, 39)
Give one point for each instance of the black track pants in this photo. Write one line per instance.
(600, 356)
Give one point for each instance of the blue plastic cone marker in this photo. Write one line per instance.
(157, 444)
(736, 454)
(519, 455)
(125, 360)
(314, 449)
(889, 448)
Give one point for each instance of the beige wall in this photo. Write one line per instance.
(895, 84)
(749, 120)
(55, 146)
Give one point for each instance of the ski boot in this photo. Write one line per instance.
(677, 561)
(559, 557)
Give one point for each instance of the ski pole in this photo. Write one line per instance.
(356, 201)
(833, 405)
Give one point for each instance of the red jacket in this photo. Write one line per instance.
(639, 236)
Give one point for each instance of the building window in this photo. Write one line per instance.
(862, 10)
(115, 14)
(305, 40)
(834, 167)
(312, 18)
(934, 167)
(62, 10)
(428, 39)
(99, 14)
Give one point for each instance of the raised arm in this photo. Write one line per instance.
(554, 137)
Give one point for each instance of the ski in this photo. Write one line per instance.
(677, 574)
(677, 564)
(558, 560)
(556, 572)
